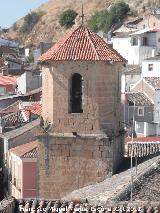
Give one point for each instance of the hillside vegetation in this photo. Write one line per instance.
(46, 27)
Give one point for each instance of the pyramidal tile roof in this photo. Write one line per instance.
(82, 45)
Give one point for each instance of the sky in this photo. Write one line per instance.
(12, 10)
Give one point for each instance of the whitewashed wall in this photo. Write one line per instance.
(136, 54)
(156, 68)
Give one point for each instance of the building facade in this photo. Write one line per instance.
(28, 81)
(150, 86)
(81, 143)
(138, 113)
(151, 67)
(22, 167)
(137, 46)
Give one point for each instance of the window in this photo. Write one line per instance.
(159, 40)
(140, 111)
(134, 41)
(131, 87)
(150, 67)
(144, 41)
(76, 94)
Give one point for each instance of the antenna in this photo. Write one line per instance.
(82, 16)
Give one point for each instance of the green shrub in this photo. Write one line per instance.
(119, 11)
(30, 20)
(101, 20)
(30, 58)
(67, 18)
(105, 19)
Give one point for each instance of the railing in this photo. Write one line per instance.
(142, 149)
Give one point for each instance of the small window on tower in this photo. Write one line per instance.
(76, 94)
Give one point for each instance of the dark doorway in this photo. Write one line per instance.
(76, 94)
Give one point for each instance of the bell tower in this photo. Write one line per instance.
(81, 99)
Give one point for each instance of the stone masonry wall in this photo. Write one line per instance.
(101, 96)
(67, 163)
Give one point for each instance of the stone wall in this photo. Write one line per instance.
(67, 163)
(101, 96)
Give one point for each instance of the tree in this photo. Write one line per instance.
(105, 19)
(119, 11)
(30, 20)
(30, 58)
(67, 18)
(101, 20)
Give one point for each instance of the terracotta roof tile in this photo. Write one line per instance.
(153, 81)
(7, 80)
(81, 44)
(28, 150)
(35, 108)
(140, 99)
(143, 139)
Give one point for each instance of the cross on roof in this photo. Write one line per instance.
(82, 16)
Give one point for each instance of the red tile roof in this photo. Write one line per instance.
(81, 44)
(35, 108)
(28, 150)
(143, 139)
(7, 80)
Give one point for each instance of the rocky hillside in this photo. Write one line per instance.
(48, 28)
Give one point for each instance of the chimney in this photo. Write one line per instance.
(153, 52)
(1, 125)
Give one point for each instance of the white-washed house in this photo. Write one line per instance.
(130, 76)
(151, 67)
(139, 45)
(150, 86)
(28, 81)
(138, 113)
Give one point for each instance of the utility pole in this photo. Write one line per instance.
(133, 128)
